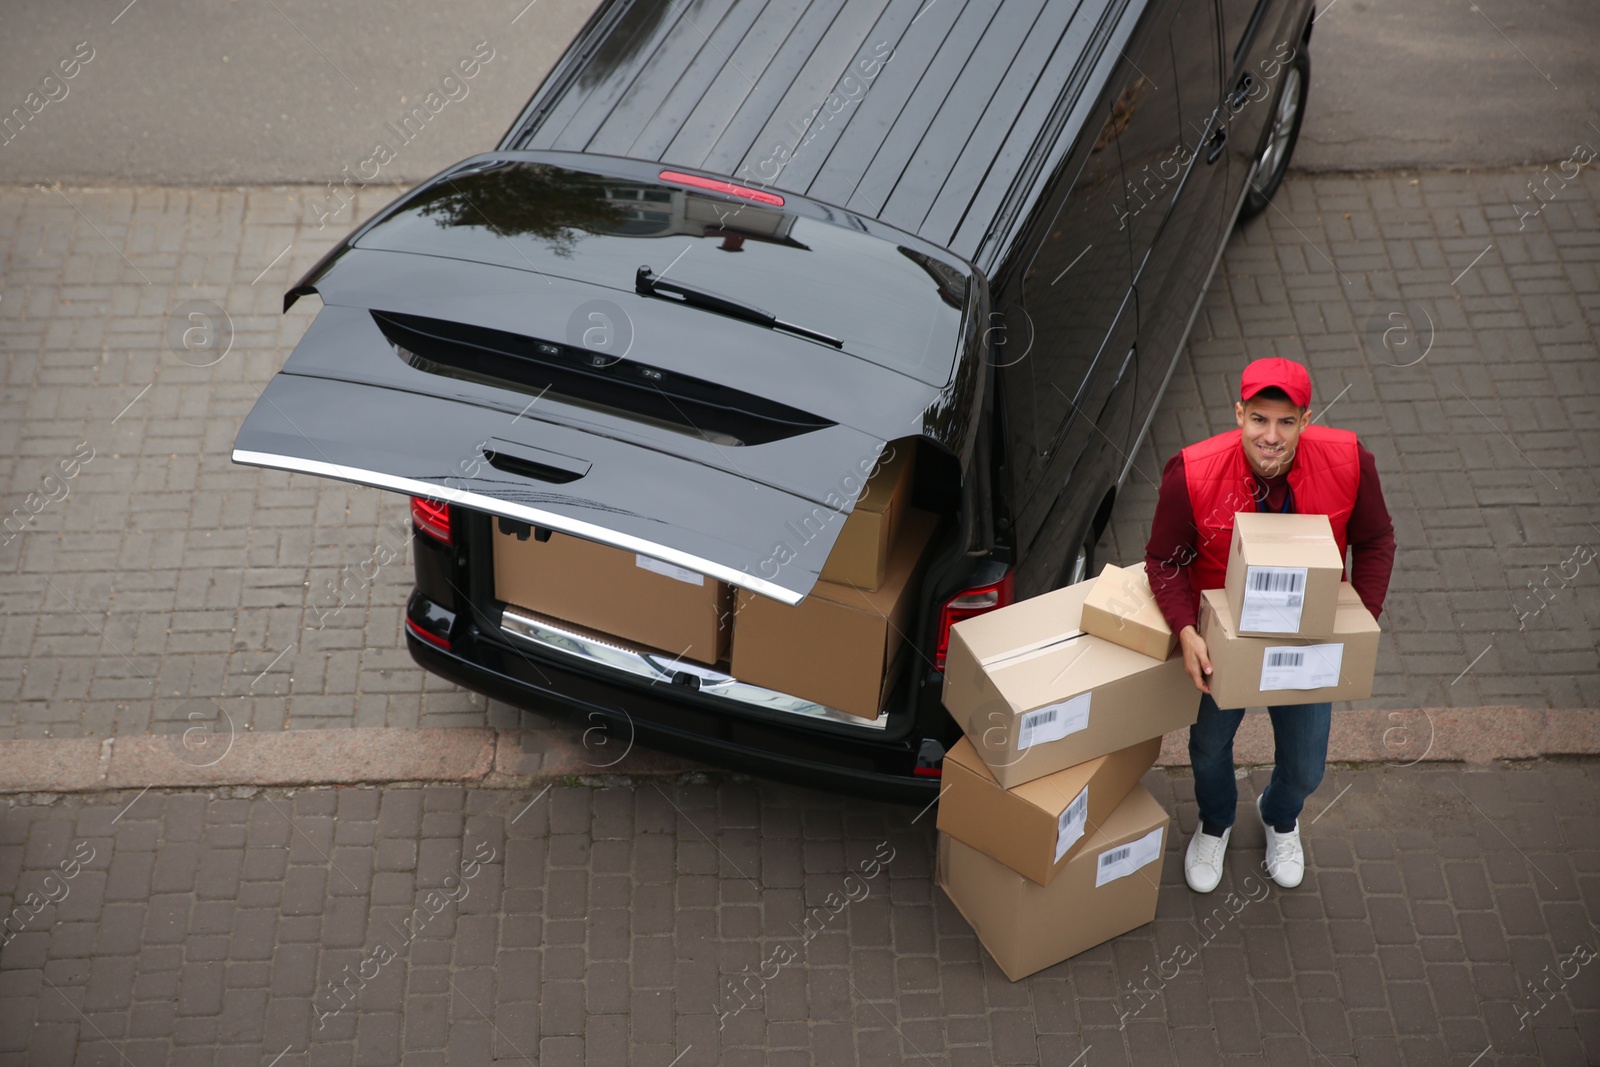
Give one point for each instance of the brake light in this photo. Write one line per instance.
(972, 601)
(432, 518)
(718, 186)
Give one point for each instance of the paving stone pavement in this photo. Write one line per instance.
(1461, 341)
(160, 582)
(1448, 918)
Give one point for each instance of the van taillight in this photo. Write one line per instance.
(974, 600)
(432, 518)
(431, 638)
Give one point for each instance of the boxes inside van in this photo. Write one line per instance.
(861, 555)
(667, 607)
(857, 628)
(859, 633)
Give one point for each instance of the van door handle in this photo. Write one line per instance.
(1214, 146)
(528, 462)
(1127, 361)
(1241, 93)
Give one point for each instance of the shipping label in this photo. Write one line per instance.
(1273, 597)
(1301, 666)
(1069, 827)
(682, 574)
(1053, 721)
(1123, 860)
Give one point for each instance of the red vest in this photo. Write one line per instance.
(1323, 479)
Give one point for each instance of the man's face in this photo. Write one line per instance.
(1271, 429)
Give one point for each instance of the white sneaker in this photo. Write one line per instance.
(1202, 864)
(1286, 860)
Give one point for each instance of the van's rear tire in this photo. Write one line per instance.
(1281, 135)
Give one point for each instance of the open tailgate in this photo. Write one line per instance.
(762, 517)
(451, 360)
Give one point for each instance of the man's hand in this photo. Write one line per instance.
(1195, 658)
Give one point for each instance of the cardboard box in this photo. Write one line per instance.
(1035, 694)
(860, 557)
(640, 599)
(1107, 889)
(1121, 608)
(1299, 670)
(1036, 828)
(1283, 575)
(838, 646)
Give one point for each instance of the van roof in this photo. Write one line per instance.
(925, 114)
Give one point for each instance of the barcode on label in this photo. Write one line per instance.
(1302, 667)
(1123, 861)
(1272, 599)
(1076, 809)
(1053, 722)
(1265, 580)
(1033, 725)
(1069, 827)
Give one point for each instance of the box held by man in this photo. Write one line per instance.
(1249, 672)
(1283, 575)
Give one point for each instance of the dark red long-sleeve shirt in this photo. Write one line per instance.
(1369, 534)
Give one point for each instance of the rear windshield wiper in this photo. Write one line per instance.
(645, 283)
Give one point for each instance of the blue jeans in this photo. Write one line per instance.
(1300, 735)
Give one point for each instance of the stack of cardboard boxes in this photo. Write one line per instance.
(1048, 844)
(853, 620)
(1286, 629)
(855, 617)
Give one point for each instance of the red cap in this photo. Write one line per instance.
(1286, 374)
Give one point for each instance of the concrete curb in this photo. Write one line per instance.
(1413, 735)
(294, 757)
(516, 758)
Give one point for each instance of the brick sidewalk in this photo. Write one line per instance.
(1467, 356)
(610, 925)
(169, 583)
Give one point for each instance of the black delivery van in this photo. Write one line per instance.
(733, 251)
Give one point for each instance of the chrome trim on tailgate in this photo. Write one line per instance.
(433, 490)
(657, 667)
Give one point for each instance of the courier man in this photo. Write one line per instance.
(1275, 461)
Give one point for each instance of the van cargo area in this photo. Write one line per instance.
(663, 624)
(622, 689)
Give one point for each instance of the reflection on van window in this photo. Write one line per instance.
(548, 203)
(599, 229)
